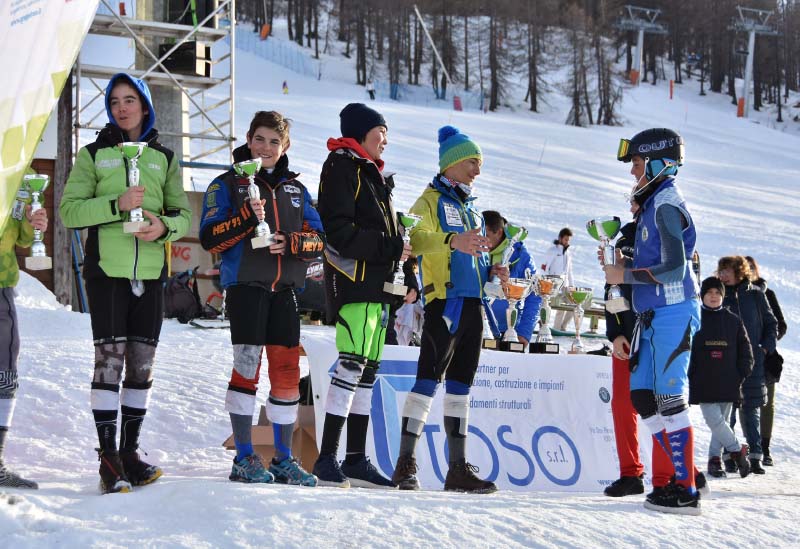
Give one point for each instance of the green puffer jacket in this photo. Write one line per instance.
(18, 232)
(98, 179)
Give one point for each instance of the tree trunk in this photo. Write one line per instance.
(466, 53)
(494, 95)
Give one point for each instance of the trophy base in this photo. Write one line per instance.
(395, 289)
(512, 346)
(134, 226)
(617, 305)
(544, 347)
(262, 241)
(489, 344)
(38, 263)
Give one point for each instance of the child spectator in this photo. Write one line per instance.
(721, 359)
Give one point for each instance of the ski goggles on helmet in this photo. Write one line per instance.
(624, 150)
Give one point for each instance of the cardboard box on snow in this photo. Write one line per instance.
(304, 438)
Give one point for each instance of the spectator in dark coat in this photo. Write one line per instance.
(721, 360)
(750, 303)
(768, 411)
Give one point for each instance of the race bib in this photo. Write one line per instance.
(451, 215)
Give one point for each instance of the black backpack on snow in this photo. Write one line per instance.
(181, 299)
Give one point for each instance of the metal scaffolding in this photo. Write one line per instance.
(210, 127)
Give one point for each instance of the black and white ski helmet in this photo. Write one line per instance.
(656, 143)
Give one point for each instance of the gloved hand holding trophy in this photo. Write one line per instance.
(249, 168)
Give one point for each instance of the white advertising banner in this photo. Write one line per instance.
(537, 422)
(39, 41)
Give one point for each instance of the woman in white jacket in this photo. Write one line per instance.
(558, 261)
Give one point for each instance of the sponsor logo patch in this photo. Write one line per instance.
(109, 163)
(291, 189)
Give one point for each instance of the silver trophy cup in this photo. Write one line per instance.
(546, 286)
(517, 289)
(493, 288)
(36, 185)
(605, 229)
(249, 168)
(132, 150)
(578, 297)
(489, 341)
(398, 284)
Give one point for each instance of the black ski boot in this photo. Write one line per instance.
(715, 468)
(767, 459)
(625, 486)
(139, 472)
(112, 474)
(755, 467)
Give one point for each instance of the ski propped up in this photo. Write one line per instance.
(210, 323)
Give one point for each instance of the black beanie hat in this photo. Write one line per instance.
(357, 120)
(712, 282)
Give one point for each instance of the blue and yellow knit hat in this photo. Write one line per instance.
(454, 147)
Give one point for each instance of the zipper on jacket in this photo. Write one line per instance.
(277, 228)
(135, 257)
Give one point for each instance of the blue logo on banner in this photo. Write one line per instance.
(551, 448)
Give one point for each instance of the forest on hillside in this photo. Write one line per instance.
(485, 46)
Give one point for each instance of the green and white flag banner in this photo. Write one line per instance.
(39, 41)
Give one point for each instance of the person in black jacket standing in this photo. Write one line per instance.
(364, 244)
(750, 303)
(721, 359)
(768, 410)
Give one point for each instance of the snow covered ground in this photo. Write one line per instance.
(740, 179)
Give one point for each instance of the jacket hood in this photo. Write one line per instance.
(139, 85)
(336, 143)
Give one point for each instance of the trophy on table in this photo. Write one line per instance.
(132, 150)
(578, 296)
(517, 289)
(398, 284)
(493, 288)
(249, 168)
(489, 341)
(606, 229)
(36, 184)
(546, 286)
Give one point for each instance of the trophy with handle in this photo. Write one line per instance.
(578, 296)
(398, 284)
(36, 184)
(493, 288)
(132, 150)
(249, 168)
(517, 289)
(605, 229)
(546, 286)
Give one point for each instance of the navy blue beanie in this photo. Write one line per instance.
(712, 282)
(357, 120)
